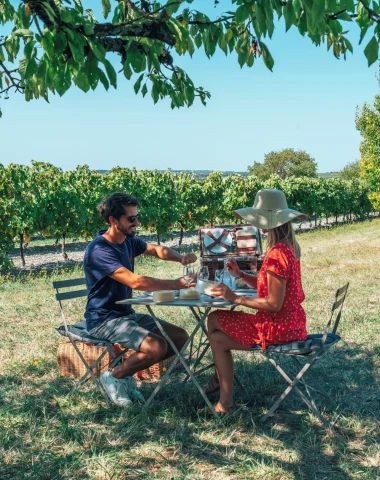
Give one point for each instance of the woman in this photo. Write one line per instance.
(280, 317)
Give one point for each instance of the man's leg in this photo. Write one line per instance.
(152, 350)
(177, 335)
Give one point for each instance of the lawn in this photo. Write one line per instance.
(46, 435)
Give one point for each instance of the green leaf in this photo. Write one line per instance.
(106, 7)
(110, 72)
(347, 5)
(103, 79)
(242, 13)
(144, 90)
(269, 17)
(198, 40)
(289, 14)
(82, 82)
(260, 19)
(349, 45)
(127, 70)
(77, 52)
(371, 51)
(62, 83)
(172, 6)
(60, 42)
(98, 50)
(137, 85)
(155, 93)
(137, 60)
(267, 57)
(318, 18)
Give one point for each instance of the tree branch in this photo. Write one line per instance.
(154, 29)
(219, 20)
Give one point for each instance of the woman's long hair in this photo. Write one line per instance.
(284, 233)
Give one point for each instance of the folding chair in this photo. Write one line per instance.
(311, 350)
(78, 332)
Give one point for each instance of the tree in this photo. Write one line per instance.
(350, 171)
(55, 44)
(368, 124)
(287, 162)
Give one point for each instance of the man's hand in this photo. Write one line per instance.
(189, 258)
(223, 291)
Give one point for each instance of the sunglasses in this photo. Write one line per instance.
(133, 218)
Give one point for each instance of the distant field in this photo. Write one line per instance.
(46, 435)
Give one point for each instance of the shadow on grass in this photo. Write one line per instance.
(45, 434)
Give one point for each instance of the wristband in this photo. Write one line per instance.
(240, 276)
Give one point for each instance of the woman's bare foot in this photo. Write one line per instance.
(223, 409)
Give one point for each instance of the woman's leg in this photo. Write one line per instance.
(221, 346)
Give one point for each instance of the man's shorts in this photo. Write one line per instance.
(129, 331)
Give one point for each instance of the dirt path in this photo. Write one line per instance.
(49, 257)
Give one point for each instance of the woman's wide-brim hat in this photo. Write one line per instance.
(270, 210)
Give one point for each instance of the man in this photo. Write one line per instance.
(109, 270)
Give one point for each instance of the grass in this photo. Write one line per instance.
(47, 435)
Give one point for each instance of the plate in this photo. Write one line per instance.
(225, 240)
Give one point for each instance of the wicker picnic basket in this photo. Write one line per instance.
(238, 242)
(70, 365)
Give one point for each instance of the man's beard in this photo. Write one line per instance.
(127, 232)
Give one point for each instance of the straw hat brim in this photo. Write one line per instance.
(268, 219)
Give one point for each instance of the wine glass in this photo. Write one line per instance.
(188, 274)
(219, 274)
(203, 273)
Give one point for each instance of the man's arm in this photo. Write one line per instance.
(146, 284)
(166, 253)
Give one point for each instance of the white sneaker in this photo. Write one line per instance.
(132, 389)
(116, 389)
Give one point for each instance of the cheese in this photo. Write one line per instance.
(163, 296)
(189, 294)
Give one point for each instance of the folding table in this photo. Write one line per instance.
(200, 310)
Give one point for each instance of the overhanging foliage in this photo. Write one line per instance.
(55, 44)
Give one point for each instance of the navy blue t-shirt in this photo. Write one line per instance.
(101, 259)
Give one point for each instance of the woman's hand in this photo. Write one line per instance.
(223, 291)
(233, 268)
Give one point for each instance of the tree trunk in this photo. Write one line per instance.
(180, 234)
(315, 220)
(64, 254)
(21, 235)
(158, 239)
(336, 219)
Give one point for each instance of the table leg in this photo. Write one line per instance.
(180, 357)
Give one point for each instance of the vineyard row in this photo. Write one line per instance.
(44, 199)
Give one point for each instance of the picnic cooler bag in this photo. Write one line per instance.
(70, 365)
(238, 242)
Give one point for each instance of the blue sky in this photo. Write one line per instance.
(308, 102)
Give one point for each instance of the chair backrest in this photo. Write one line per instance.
(66, 295)
(336, 311)
(63, 284)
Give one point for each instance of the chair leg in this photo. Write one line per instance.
(293, 386)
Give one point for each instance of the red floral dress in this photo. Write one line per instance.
(271, 328)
